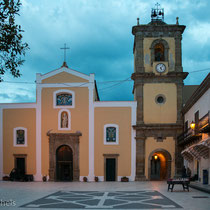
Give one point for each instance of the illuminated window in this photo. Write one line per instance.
(159, 52)
(111, 134)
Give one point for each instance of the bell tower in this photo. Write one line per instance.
(158, 82)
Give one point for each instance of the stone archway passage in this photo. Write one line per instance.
(56, 140)
(159, 165)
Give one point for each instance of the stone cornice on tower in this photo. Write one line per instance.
(158, 30)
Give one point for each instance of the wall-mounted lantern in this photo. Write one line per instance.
(192, 125)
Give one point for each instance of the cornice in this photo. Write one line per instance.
(154, 126)
(203, 87)
(153, 30)
(153, 78)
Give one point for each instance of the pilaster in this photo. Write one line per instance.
(1, 143)
(178, 52)
(139, 98)
(140, 157)
(139, 53)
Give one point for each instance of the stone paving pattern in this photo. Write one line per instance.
(148, 199)
(24, 193)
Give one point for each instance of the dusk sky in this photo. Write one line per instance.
(100, 40)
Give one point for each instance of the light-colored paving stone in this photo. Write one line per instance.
(25, 192)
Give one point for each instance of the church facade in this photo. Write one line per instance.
(69, 134)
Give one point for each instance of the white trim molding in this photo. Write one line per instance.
(117, 134)
(38, 175)
(18, 105)
(59, 119)
(114, 103)
(91, 129)
(1, 143)
(63, 91)
(63, 69)
(15, 137)
(133, 143)
(64, 85)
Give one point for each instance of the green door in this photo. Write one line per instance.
(110, 169)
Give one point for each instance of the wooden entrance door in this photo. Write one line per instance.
(110, 169)
(64, 164)
(155, 169)
(20, 166)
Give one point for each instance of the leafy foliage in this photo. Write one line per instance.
(12, 49)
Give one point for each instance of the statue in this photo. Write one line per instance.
(64, 120)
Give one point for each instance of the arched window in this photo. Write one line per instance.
(111, 134)
(159, 52)
(64, 119)
(20, 137)
(63, 99)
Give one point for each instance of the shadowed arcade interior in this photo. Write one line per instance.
(160, 165)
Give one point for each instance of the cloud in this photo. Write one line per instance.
(100, 40)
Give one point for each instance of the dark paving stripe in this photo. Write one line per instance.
(200, 197)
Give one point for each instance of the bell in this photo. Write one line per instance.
(160, 13)
(154, 14)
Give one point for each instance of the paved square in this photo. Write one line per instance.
(147, 199)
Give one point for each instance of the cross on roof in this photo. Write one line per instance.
(65, 48)
(157, 5)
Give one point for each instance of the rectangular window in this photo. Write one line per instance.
(64, 99)
(186, 126)
(197, 117)
(20, 137)
(196, 121)
(111, 134)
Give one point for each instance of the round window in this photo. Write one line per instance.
(160, 99)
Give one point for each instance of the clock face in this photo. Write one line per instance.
(160, 67)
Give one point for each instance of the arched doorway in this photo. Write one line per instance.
(64, 163)
(159, 165)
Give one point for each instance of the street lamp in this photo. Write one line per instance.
(192, 125)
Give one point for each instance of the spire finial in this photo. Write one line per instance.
(64, 49)
(137, 21)
(177, 20)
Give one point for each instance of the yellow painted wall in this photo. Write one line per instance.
(147, 45)
(79, 122)
(122, 117)
(64, 77)
(168, 144)
(13, 118)
(156, 113)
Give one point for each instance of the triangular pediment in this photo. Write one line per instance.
(64, 75)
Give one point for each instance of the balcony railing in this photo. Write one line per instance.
(190, 135)
(187, 137)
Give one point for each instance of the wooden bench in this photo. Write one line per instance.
(183, 181)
